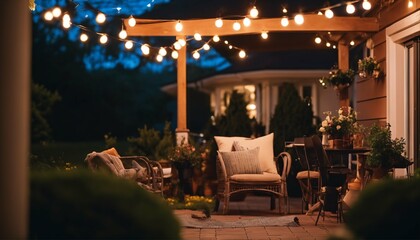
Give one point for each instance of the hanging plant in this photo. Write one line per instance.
(338, 79)
(369, 67)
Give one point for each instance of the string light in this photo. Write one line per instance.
(103, 39)
(56, 12)
(253, 12)
(216, 38)
(177, 45)
(218, 23)
(242, 54)
(129, 44)
(196, 55)
(236, 26)
(299, 19)
(100, 18)
(132, 21)
(162, 51)
(123, 34)
(66, 21)
(84, 37)
(182, 42)
(320, 13)
(206, 46)
(318, 40)
(328, 44)
(178, 26)
(197, 37)
(284, 21)
(329, 13)
(159, 58)
(174, 54)
(145, 49)
(264, 34)
(284, 10)
(410, 4)
(246, 22)
(352, 43)
(48, 16)
(350, 9)
(366, 5)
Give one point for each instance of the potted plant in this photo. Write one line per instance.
(368, 67)
(338, 79)
(386, 153)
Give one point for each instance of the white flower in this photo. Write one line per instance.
(322, 129)
(340, 111)
(328, 118)
(324, 123)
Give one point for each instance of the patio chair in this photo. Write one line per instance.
(252, 167)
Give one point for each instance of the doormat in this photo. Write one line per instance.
(285, 221)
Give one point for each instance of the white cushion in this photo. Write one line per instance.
(241, 162)
(225, 144)
(265, 177)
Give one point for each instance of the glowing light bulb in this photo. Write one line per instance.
(48, 16)
(366, 5)
(284, 10)
(129, 44)
(284, 21)
(299, 19)
(197, 37)
(328, 44)
(66, 24)
(320, 13)
(177, 45)
(230, 46)
(253, 12)
(246, 22)
(84, 37)
(162, 51)
(145, 49)
(206, 47)
(132, 21)
(159, 58)
(226, 42)
(218, 23)
(334, 46)
(122, 34)
(196, 55)
(264, 34)
(174, 54)
(242, 54)
(182, 42)
(216, 38)
(103, 39)
(66, 18)
(352, 43)
(56, 12)
(236, 26)
(329, 13)
(100, 18)
(178, 26)
(410, 4)
(350, 9)
(318, 40)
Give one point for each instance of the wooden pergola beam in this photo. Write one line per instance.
(206, 27)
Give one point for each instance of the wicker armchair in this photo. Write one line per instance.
(270, 182)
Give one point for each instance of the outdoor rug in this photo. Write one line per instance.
(287, 221)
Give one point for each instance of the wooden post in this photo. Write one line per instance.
(343, 64)
(181, 130)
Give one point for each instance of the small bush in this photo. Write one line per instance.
(81, 204)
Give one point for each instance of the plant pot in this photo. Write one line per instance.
(343, 143)
(379, 173)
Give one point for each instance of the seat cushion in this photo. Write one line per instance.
(304, 174)
(241, 162)
(264, 177)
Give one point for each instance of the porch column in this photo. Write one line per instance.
(343, 64)
(15, 116)
(181, 130)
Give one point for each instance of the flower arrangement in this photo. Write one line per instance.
(185, 153)
(338, 79)
(368, 66)
(341, 125)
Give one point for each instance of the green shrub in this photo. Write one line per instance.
(81, 204)
(146, 143)
(388, 209)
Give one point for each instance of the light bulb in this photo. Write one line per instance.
(129, 44)
(230, 46)
(328, 44)
(122, 34)
(159, 58)
(178, 26)
(246, 22)
(350, 9)
(226, 42)
(177, 45)
(206, 47)
(56, 12)
(66, 24)
(253, 12)
(284, 10)
(196, 55)
(319, 13)
(236, 26)
(410, 4)
(366, 5)
(218, 23)
(162, 51)
(318, 40)
(242, 54)
(216, 38)
(329, 13)
(145, 49)
(299, 19)
(48, 16)
(66, 18)
(352, 43)
(284, 21)
(100, 18)
(182, 42)
(264, 34)
(84, 37)
(103, 39)
(334, 47)
(132, 21)
(174, 54)
(197, 37)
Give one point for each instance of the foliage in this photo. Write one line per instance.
(386, 210)
(110, 141)
(368, 66)
(82, 204)
(338, 79)
(165, 144)
(292, 117)
(205, 204)
(386, 152)
(42, 103)
(338, 126)
(146, 143)
(186, 153)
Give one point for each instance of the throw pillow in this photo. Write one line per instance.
(237, 146)
(224, 144)
(112, 151)
(241, 162)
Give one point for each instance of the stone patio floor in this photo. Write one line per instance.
(260, 206)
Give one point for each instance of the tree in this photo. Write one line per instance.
(292, 117)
